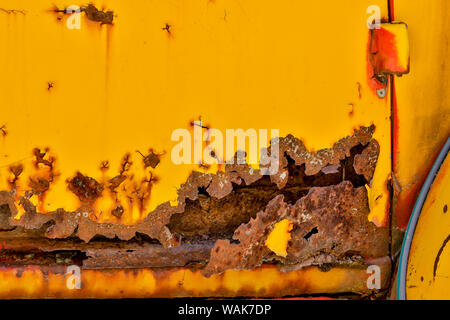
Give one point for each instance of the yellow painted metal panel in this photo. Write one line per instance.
(422, 118)
(428, 275)
(94, 94)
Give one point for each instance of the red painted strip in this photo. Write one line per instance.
(391, 10)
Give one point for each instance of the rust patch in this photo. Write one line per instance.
(104, 165)
(118, 211)
(13, 11)
(148, 255)
(365, 162)
(93, 14)
(204, 166)
(125, 164)
(115, 182)
(331, 169)
(438, 256)
(3, 130)
(352, 111)
(331, 220)
(316, 161)
(396, 186)
(20, 258)
(4, 218)
(152, 159)
(39, 185)
(61, 224)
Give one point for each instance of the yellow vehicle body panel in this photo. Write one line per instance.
(428, 275)
(266, 281)
(94, 94)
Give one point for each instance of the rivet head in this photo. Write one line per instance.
(381, 93)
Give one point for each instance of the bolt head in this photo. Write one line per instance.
(381, 93)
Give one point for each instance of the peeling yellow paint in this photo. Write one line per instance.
(268, 281)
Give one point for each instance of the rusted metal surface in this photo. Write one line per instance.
(92, 13)
(321, 193)
(64, 224)
(79, 204)
(315, 161)
(365, 162)
(387, 54)
(152, 159)
(411, 134)
(4, 218)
